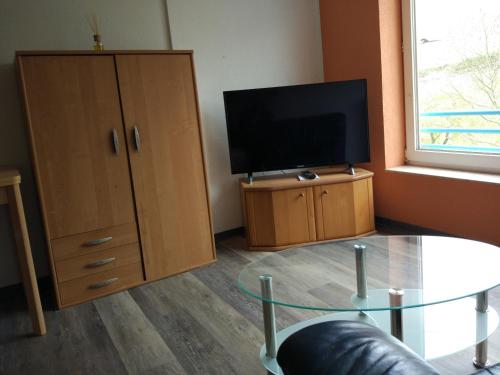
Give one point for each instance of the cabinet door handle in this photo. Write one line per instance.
(97, 241)
(100, 262)
(137, 139)
(325, 192)
(102, 284)
(116, 142)
(301, 195)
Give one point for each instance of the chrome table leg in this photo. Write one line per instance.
(480, 360)
(361, 273)
(395, 300)
(361, 270)
(269, 317)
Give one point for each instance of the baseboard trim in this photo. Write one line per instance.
(240, 231)
(410, 228)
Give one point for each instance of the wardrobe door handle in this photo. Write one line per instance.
(116, 142)
(137, 138)
(102, 284)
(100, 262)
(97, 241)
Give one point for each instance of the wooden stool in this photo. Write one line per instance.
(11, 194)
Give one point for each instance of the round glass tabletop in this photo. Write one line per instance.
(335, 276)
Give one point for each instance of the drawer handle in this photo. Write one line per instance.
(98, 241)
(325, 192)
(102, 284)
(301, 195)
(100, 262)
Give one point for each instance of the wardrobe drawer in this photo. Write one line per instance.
(100, 284)
(94, 241)
(72, 268)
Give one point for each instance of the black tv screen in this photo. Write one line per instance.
(297, 126)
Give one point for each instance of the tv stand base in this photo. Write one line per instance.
(281, 211)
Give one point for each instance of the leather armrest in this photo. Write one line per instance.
(348, 347)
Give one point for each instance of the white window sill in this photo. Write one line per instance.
(447, 173)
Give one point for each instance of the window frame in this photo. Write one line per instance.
(466, 161)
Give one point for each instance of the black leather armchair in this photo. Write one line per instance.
(351, 348)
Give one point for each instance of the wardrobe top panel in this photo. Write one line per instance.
(110, 52)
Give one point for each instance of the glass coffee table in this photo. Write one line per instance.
(430, 292)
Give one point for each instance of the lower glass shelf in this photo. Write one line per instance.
(431, 331)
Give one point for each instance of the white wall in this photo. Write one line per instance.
(240, 44)
(237, 43)
(55, 25)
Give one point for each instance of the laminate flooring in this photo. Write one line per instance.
(194, 323)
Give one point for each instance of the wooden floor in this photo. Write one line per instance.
(194, 323)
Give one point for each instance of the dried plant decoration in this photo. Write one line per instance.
(94, 26)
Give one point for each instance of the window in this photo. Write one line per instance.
(452, 83)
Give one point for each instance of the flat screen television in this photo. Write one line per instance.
(297, 126)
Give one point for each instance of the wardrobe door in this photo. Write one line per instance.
(78, 142)
(163, 133)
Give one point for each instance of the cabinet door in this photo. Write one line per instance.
(260, 218)
(163, 133)
(363, 206)
(334, 210)
(73, 108)
(293, 216)
(344, 209)
(281, 217)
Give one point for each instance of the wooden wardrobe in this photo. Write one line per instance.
(118, 157)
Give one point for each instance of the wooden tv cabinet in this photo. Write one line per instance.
(281, 211)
